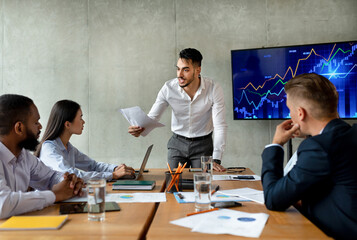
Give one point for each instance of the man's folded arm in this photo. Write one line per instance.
(15, 203)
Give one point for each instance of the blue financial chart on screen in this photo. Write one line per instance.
(259, 76)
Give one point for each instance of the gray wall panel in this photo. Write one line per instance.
(111, 54)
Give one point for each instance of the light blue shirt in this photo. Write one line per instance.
(55, 155)
(16, 175)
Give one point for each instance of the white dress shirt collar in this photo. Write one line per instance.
(198, 92)
(7, 156)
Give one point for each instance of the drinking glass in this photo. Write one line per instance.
(96, 199)
(202, 185)
(207, 164)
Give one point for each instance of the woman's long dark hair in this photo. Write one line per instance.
(62, 111)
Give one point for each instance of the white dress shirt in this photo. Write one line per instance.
(291, 163)
(197, 117)
(16, 175)
(55, 155)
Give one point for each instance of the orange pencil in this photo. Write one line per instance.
(184, 166)
(177, 175)
(172, 179)
(168, 165)
(213, 209)
(172, 175)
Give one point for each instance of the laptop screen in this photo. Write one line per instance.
(143, 164)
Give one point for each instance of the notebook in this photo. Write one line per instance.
(143, 164)
(133, 185)
(33, 222)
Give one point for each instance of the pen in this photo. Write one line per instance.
(180, 196)
(213, 209)
(215, 190)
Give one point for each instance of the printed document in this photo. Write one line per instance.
(189, 197)
(137, 117)
(248, 193)
(126, 197)
(225, 221)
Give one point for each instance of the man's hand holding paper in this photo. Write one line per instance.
(140, 123)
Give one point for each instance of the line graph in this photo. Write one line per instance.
(259, 76)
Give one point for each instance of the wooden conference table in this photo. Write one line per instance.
(290, 224)
(131, 222)
(151, 220)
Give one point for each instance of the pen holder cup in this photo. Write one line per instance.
(173, 182)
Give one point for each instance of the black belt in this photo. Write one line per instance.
(193, 139)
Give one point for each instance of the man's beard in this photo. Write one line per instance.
(185, 85)
(193, 77)
(30, 143)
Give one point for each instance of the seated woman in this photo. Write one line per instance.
(57, 152)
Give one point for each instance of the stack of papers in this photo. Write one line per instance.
(137, 117)
(225, 221)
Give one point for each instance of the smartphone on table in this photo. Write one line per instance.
(226, 204)
(70, 208)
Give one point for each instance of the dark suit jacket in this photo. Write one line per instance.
(324, 179)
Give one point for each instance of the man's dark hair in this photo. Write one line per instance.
(192, 54)
(13, 108)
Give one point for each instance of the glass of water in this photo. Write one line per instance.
(202, 185)
(96, 199)
(207, 164)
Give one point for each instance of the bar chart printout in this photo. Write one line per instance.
(259, 76)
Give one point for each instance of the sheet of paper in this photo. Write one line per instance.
(136, 197)
(189, 197)
(226, 221)
(230, 177)
(137, 117)
(248, 193)
(127, 197)
(76, 199)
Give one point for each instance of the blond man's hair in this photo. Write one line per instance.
(317, 90)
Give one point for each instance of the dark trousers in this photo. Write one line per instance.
(181, 149)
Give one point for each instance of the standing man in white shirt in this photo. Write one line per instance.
(19, 169)
(198, 110)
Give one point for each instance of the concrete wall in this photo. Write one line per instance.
(111, 54)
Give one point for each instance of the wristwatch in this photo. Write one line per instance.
(217, 161)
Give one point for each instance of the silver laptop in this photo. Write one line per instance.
(143, 164)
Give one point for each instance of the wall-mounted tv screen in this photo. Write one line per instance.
(259, 76)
